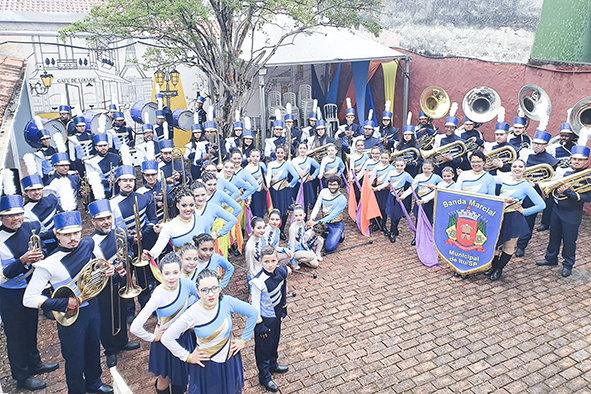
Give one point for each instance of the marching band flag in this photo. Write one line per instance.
(466, 227)
(368, 206)
(352, 200)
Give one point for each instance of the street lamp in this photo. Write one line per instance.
(41, 88)
(165, 76)
(175, 77)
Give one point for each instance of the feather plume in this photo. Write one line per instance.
(150, 153)
(568, 112)
(63, 99)
(288, 108)
(584, 135)
(409, 118)
(520, 113)
(157, 88)
(210, 113)
(102, 124)
(1, 186)
(8, 181)
(38, 123)
(66, 194)
(237, 115)
(165, 130)
(277, 114)
(195, 118)
(314, 105)
(146, 118)
(543, 123)
(370, 115)
(453, 109)
(247, 123)
(388, 105)
(94, 180)
(319, 113)
(348, 100)
(501, 115)
(160, 102)
(58, 138)
(114, 100)
(29, 160)
(125, 156)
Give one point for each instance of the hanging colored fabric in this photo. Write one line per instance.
(390, 69)
(360, 72)
(331, 96)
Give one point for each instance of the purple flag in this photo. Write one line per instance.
(408, 219)
(426, 250)
(300, 197)
(248, 219)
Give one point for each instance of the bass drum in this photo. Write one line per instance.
(92, 121)
(51, 125)
(182, 119)
(142, 107)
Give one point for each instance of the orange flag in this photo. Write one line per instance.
(368, 206)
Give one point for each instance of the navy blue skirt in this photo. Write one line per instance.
(393, 209)
(258, 204)
(224, 378)
(163, 363)
(427, 207)
(382, 199)
(514, 226)
(282, 199)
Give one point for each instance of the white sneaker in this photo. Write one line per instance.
(318, 257)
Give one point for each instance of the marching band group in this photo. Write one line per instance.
(174, 233)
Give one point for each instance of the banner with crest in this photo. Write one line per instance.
(466, 228)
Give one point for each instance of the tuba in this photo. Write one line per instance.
(91, 280)
(455, 149)
(534, 102)
(580, 116)
(410, 155)
(481, 104)
(579, 182)
(506, 154)
(539, 173)
(435, 102)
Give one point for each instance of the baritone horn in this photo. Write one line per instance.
(506, 154)
(534, 102)
(455, 149)
(481, 104)
(410, 155)
(539, 173)
(90, 281)
(580, 116)
(579, 182)
(435, 102)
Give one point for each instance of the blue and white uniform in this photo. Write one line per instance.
(424, 193)
(400, 181)
(330, 167)
(244, 180)
(306, 167)
(216, 263)
(43, 211)
(277, 174)
(258, 204)
(332, 206)
(481, 182)
(105, 167)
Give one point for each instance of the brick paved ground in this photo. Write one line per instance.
(376, 320)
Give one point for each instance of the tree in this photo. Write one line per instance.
(219, 36)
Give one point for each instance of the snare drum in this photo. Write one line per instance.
(142, 107)
(51, 125)
(182, 119)
(92, 121)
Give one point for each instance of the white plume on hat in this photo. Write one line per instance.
(543, 122)
(150, 153)
(370, 114)
(388, 106)
(210, 113)
(159, 100)
(314, 105)
(453, 109)
(409, 118)
(66, 194)
(520, 113)
(584, 135)
(8, 181)
(58, 138)
(102, 124)
(288, 108)
(319, 113)
(146, 118)
(114, 100)
(165, 130)
(125, 156)
(38, 122)
(501, 115)
(568, 111)
(29, 160)
(277, 114)
(247, 123)
(237, 115)
(94, 179)
(348, 101)
(196, 118)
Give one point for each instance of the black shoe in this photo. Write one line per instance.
(342, 238)
(386, 233)
(374, 227)
(111, 360)
(397, 233)
(543, 227)
(45, 368)
(463, 276)
(130, 346)
(392, 238)
(543, 263)
(519, 252)
(489, 271)
(271, 386)
(566, 272)
(103, 389)
(413, 242)
(496, 275)
(31, 384)
(280, 369)
(236, 252)
(282, 236)
(456, 275)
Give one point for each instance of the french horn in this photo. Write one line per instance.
(481, 104)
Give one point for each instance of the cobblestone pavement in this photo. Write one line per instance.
(377, 320)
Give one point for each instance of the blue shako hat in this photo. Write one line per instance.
(43, 134)
(147, 127)
(150, 167)
(288, 117)
(452, 121)
(99, 209)
(313, 116)
(200, 99)
(387, 115)
(541, 137)
(369, 124)
(210, 126)
(67, 222)
(100, 139)
(502, 126)
(247, 134)
(118, 116)
(160, 113)
(166, 145)
(60, 158)
(278, 124)
(159, 96)
(467, 119)
(237, 125)
(321, 124)
(12, 204)
(519, 121)
(422, 115)
(112, 107)
(565, 128)
(196, 127)
(78, 120)
(350, 111)
(408, 129)
(34, 181)
(64, 109)
(125, 172)
(579, 152)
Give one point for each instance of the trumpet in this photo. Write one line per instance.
(455, 149)
(410, 155)
(564, 162)
(506, 154)
(579, 182)
(539, 173)
(34, 244)
(91, 280)
(178, 153)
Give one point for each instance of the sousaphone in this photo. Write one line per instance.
(580, 116)
(481, 104)
(534, 102)
(435, 102)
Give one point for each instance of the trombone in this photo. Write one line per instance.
(137, 261)
(130, 290)
(164, 193)
(179, 154)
